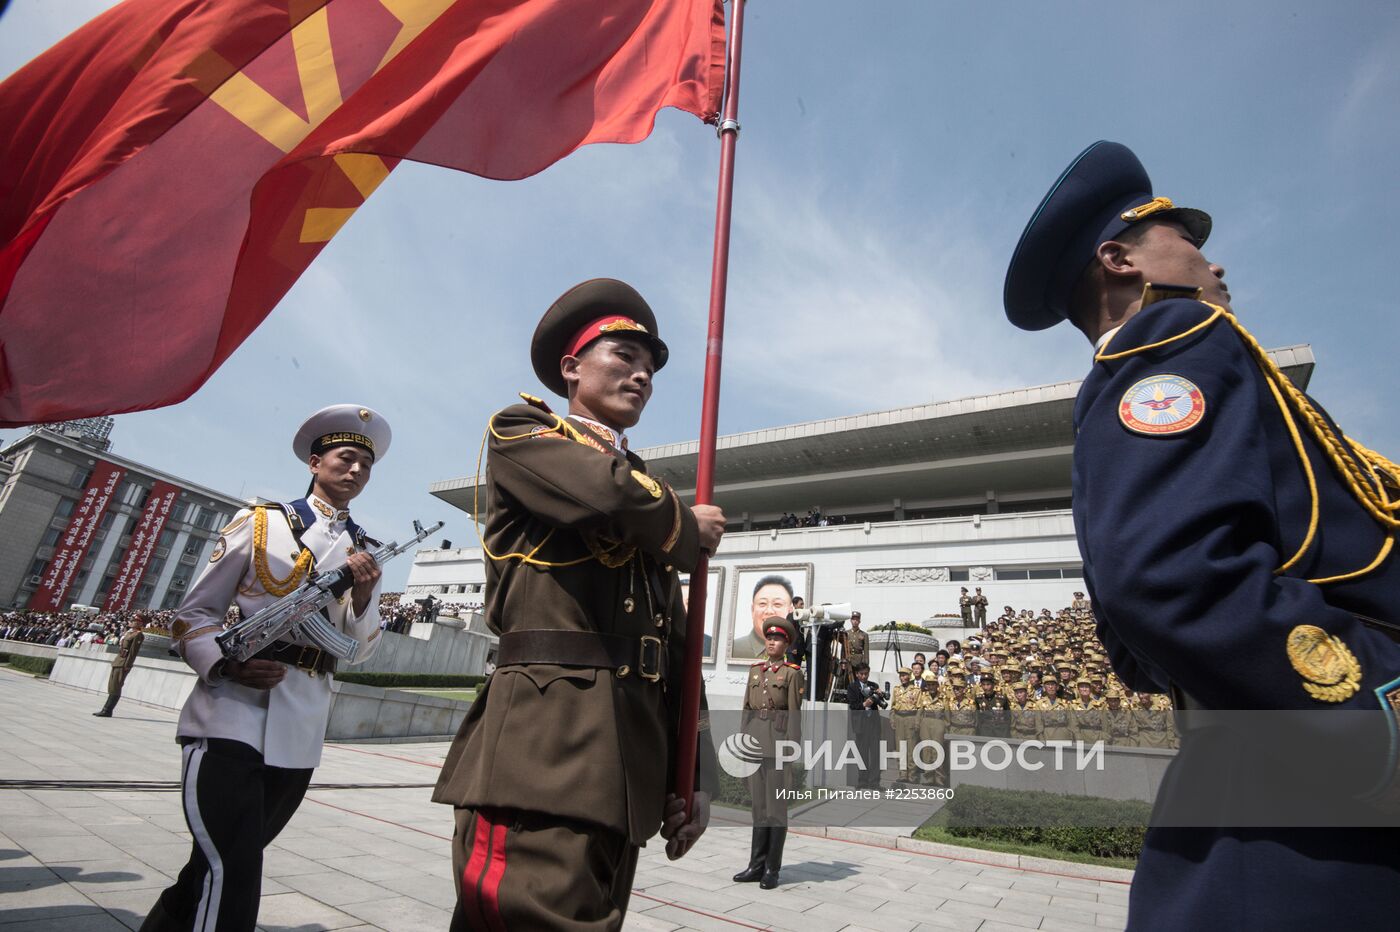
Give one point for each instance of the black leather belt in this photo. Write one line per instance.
(310, 659)
(644, 656)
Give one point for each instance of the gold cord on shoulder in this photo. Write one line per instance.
(1369, 476)
(273, 585)
(527, 558)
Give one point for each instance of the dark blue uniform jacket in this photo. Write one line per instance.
(1181, 534)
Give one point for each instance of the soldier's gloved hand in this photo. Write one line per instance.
(366, 573)
(680, 834)
(256, 674)
(710, 521)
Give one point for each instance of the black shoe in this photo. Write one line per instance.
(749, 874)
(103, 713)
(769, 881)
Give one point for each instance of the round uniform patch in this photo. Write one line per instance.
(1162, 404)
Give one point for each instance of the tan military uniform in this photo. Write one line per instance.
(1122, 727)
(1090, 720)
(962, 715)
(933, 726)
(904, 716)
(576, 729)
(1025, 720)
(1153, 728)
(1055, 721)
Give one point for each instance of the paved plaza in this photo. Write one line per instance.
(91, 830)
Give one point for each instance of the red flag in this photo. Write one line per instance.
(174, 165)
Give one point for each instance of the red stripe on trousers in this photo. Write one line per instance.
(471, 904)
(491, 888)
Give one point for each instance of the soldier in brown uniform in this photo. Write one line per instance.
(1055, 722)
(904, 716)
(965, 606)
(1089, 722)
(772, 713)
(122, 662)
(1154, 724)
(857, 642)
(1025, 714)
(962, 709)
(560, 771)
(933, 726)
(1122, 727)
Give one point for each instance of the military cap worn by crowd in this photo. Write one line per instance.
(567, 750)
(772, 713)
(1237, 547)
(249, 747)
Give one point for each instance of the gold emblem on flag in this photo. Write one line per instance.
(1329, 669)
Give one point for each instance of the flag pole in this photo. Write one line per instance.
(728, 130)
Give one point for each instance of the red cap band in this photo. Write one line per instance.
(600, 327)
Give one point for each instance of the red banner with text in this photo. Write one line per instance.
(73, 546)
(143, 545)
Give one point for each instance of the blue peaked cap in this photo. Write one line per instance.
(1104, 191)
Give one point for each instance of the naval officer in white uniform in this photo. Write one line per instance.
(252, 731)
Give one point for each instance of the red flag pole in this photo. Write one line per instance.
(709, 410)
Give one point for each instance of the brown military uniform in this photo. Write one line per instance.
(1090, 720)
(857, 647)
(571, 741)
(1025, 720)
(772, 713)
(122, 662)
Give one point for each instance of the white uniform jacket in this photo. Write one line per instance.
(287, 723)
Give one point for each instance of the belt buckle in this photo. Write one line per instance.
(649, 671)
(311, 666)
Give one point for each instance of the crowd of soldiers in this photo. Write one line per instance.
(1026, 677)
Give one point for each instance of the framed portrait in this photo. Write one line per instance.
(714, 597)
(761, 590)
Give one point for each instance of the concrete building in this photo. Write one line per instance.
(79, 525)
(919, 502)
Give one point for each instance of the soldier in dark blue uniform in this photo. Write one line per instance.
(1238, 549)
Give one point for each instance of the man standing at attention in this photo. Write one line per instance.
(559, 774)
(122, 662)
(252, 731)
(1238, 551)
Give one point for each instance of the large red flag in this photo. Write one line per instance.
(173, 166)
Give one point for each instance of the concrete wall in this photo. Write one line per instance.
(358, 713)
(1128, 773)
(446, 650)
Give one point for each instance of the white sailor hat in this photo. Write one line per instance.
(341, 425)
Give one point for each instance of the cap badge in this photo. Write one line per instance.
(1162, 404)
(1330, 671)
(1148, 209)
(622, 323)
(365, 415)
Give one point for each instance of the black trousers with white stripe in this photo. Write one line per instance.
(235, 805)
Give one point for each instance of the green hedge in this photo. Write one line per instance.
(39, 666)
(1105, 828)
(411, 680)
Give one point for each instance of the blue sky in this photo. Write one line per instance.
(890, 156)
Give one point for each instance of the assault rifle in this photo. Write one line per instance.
(297, 615)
